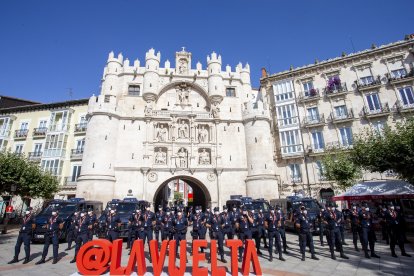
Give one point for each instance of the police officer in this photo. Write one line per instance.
(234, 214)
(71, 234)
(273, 225)
(227, 220)
(355, 226)
(148, 222)
(93, 221)
(381, 214)
(135, 222)
(244, 225)
(198, 221)
(282, 230)
(158, 223)
(341, 222)
(394, 227)
(261, 229)
(54, 225)
(167, 225)
(305, 235)
(321, 224)
(367, 233)
(25, 234)
(255, 230)
(333, 234)
(216, 225)
(208, 214)
(113, 223)
(180, 224)
(130, 229)
(83, 225)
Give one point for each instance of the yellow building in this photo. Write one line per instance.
(52, 134)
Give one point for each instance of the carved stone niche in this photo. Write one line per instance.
(204, 156)
(161, 132)
(203, 133)
(181, 159)
(183, 129)
(183, 94)
(160, 156)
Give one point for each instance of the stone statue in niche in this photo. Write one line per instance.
(215, 110)
(160, 157)
(183, 94)
(182, 67)
(182, 130)
(181, 161)
(162, 134)
(202, 135)
(148, 108)
(204, 157)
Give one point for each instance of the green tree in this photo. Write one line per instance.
(392, 149)
(339, 167)
(28, 178)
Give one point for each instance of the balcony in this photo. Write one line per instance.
(336, 90)
(59, 153)
(35, 156)
(384, 110)
(80, 128)
(170, 113)
(70, 182)
(315, 150)
(287, 122)
(400, 107)
(76, 154)
(21, 134)
(314, 121)
(291, 151)
(365, 86)
(59, 128)
(39, 132)
(4, 133)
(348, 116)
(309, 96)
(400, 79)
(295, 179)
(338, 145)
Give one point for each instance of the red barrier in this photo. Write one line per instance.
(98, 256)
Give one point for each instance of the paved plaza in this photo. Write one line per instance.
(356, 265)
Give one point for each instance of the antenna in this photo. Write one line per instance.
(352, 43)
(70, 92)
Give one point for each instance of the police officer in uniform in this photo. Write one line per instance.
(244, 225)
(54, 225)
(180, 224)
(158, 223)
(234, 214)
(83, 225)
(341, 222)
(148, 222)
(355, 225)
(333, 234)
(215, 224)
(321, 225)
(305, 235)
(282, 230)
(367, 233)
(199, 225)
(25, 235)
(167, 225)
(113, 223)
(130, 230)
(227, 220)
(394, 227)
(71, 230)
(255, 230)
(273, 225)
(135, 222)
(261, 228)
(208, 215)
(94, 221)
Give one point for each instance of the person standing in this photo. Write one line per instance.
(394, 226)
(227, 220)
(148, 222)
(234, 214)
(255, 230)
(159, 215)
(198, 222)
(305, 235)
(130, 230)
(83, 225)
(113, 223)
(321, 224)
(261, 229)
(167, 224)
(93, 224)
(367, 233)
(54, 225)
(25, 235)
(273, 225)
(355, 225)
(244, 225)
(71, 230)
(282, 230)
(333, 234)
(216, 225)
(180, 226)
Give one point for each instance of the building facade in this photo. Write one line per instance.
(154, 124)
(324, 105)
(52, 135)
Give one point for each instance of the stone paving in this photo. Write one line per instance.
(356, 265)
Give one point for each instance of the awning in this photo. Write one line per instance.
(381, 189)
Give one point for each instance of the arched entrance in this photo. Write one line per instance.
(165, 193)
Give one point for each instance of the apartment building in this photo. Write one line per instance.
(324, 105)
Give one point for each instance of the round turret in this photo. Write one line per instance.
(110, 78)
(215, 79)
(151, 76)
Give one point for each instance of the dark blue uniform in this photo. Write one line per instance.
(396, 237)
(354, 217)
(367, 233)
(52, 236)
(71, 234)
(25, 234)
(227, 220)
(93, 221)
(321, 226)
(333, 233)
(82, 233)
(245, 223)
(282, 230)
(216, 224)
(158, 225)
(180, 224)
(168, 227)
(305, 235)
(147, 223)
(273, 222)
(112, 227)
(199, 226)
(261, 230)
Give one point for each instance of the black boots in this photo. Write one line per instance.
(373, 255)
(222, 259)
(303, 257)
(343, 256)
(73, 261)
(333, 257)
(56, 260)
(405, 254)
(15, 260)
(281, 258)
(314, 257)
(356, 248)
(41, 261)
(26, 260)
(270, 258)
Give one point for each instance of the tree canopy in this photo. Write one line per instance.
(389, 150)
(29, 179)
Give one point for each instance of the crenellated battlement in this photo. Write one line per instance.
(151, 55)
(102, 104)
(213, 58)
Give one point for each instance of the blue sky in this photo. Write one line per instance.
(47, 47)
